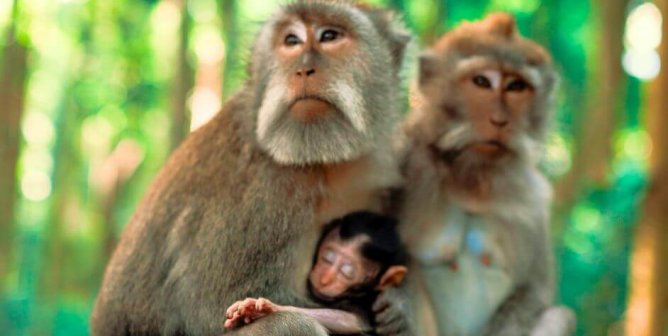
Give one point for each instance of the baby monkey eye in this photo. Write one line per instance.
(348, 271)
(292, 40)
(482, 81)
(329, 257)
(329, 35)
(517, 85)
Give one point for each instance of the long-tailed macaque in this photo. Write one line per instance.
(475, 208)
(237, 210)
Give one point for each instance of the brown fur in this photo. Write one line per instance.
(471, 152)
(224, 220)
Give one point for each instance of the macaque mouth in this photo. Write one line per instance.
(310, 108)
(491, 147)
(449, 156)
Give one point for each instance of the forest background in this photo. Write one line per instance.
(95, 94)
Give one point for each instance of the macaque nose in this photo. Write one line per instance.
(328, 276)
(306, 72)
(500, 123)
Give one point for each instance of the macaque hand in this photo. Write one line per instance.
(392, 313)
(248, 310)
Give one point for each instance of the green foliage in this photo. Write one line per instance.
(100, 89)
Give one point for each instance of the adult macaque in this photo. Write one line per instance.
(476, 207)
(237, 210)
(358, 256)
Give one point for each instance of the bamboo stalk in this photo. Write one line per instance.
(647, 313)
(12, 91)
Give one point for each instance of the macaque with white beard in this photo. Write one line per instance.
(237, 210)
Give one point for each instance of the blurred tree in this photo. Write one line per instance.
(436, 23)
(182, 82)
(647, 314)
(12, 86)
(232, 70)
(593, 143)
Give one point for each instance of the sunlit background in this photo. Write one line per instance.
(94, 94)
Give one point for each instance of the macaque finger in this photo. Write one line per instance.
(380, 304)
(264, 306)
(388, 316)
(233, 308)
(260, 304)
(397, 327)
(232, 320)
(247, 307)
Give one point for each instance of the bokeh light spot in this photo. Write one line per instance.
(643, 27)
(36, 185)
(642, 64)
(209, 46)
(96, 132)
(38, 129)
(557, 159)
(204, 104)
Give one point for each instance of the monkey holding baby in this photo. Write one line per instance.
(358, 256)
(475, 208)
(238, 208)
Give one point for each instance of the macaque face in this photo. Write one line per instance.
(308, 49)
(484, 100)
(328, 86)
(495, 103)
(340, 266)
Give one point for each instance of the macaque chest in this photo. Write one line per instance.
(352, 187)
(465, 271)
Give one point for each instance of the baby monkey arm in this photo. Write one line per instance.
(334, 320)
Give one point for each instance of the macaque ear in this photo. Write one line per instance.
(428, 68)
(392, 277)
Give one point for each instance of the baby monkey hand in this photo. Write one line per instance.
(248, 310)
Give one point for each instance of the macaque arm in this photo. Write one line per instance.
(334, 320)
(518, 314)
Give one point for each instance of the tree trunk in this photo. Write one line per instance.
(231, 68)
(647, 313)
(182, 84)
(593, 152)
(12, 87)
(436, 25)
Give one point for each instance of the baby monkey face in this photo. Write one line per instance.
(340, 266)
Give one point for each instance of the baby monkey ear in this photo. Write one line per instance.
(392, 277)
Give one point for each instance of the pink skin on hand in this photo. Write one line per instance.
(248, 310)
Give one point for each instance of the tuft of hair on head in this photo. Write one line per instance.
(502, 24)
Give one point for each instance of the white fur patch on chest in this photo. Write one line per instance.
(465, 271)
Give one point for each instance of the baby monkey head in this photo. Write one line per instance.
(485, 95)
(358, 254)
(326, 79)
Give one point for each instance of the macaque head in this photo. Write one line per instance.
(326, 79)
(484, 94)
(358, 254)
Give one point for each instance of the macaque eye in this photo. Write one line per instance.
(292, 40)
(348, 271)
(329, 257)
(482, 81)
(517, 85)
(329, 35)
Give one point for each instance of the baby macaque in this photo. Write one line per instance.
(358, 256)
